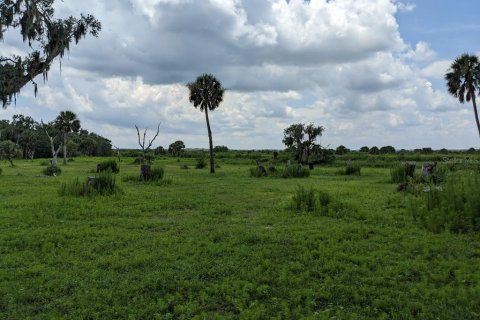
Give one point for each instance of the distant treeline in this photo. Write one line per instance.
(32, 141)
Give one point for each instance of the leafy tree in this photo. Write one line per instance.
(207, 93)
(176, 148)
(87, 146)
(342, 150)
(8, 151)
(28, 141)
(47, 37)
(300, 140)
(160, 151)
(374, 150)
(387, 149)
(220, 149)
(66, 122)
(364, 149)
(463, 81)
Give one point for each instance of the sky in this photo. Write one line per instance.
(369, 71)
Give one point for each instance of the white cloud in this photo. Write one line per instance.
(340, 64)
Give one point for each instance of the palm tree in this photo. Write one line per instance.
(463, 80)
(66, 122)
(207, 93)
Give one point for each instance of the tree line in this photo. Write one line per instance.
(24, 137)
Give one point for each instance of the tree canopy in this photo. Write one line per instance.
(47, 37)
(300, 139)
(463, 81)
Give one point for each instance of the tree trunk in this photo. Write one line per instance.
(65, 148)
(476, 112)
(212, 163)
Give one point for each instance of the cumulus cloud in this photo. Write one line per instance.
(340, 64)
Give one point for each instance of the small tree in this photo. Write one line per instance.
(387, 150)
(374, 150)
(52, 134)
(8, 151)
(142, 142)
(176, 148)
(342, 150)
(300, 140)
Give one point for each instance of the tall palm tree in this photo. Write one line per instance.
(207, 93)
(66, 122)
(463, 80)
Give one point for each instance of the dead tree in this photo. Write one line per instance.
(142, 142)
(52, 145)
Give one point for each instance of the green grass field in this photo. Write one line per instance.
(224, 246)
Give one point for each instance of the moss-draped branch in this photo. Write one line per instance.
(47, 37)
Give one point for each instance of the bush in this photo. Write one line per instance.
(184, 167)
(201, 162)
(352, 170)
(1, 171)
(52, 171)
(111, 165)
(295, 171)
(455, 206)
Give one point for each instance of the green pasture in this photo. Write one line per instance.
(224, 246)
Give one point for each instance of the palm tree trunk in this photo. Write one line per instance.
(65, 149)
(212, 163)
(476, 112)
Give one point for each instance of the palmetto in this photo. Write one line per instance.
(463, 80)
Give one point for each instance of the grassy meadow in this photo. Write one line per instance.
(225, 246)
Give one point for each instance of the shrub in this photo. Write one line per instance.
(455, 206)
(52, 171)
(184, 167)
(201, 162)
(111, 165)
(1, 171)
(295, 171)
(352, 170)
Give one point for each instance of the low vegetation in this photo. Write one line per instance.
(229, 246)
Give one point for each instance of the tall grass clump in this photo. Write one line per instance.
(453, 206)
(103, 184)
(1, 171)
(400, 172)
(352, 170)
(52, 171)
(111, 165)
(258, 172)
(157, 173)
(295, 171)
(319, 202)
